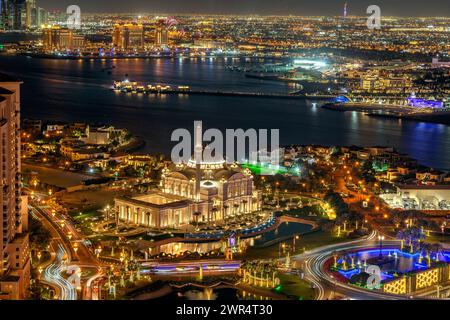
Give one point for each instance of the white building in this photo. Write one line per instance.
(435, 197)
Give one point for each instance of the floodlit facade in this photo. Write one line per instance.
(61, 39)
(419, 197)
(14, 242)
(208, 193)
(128, 36)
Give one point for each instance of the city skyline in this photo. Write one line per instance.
(262, 7)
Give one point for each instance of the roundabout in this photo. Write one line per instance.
(327, 270)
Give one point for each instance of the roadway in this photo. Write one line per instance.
(52, 275)
(65, 238)
(209, 267)
(328, 287)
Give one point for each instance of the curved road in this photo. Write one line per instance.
(326, 285)
(52, 275)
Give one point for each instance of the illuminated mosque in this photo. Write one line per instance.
(196, 191)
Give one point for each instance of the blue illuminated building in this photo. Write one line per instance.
(341, 99)
(423, 103)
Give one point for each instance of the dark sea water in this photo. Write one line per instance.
(71, 90)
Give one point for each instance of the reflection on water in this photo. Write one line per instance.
(206, 294)
(77, 91)
(221, 293)
(179, 247)
(286, 229)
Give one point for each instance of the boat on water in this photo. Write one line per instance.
(134, 87)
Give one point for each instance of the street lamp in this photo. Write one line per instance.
(296, 237)
(107, 212)
(381, 238)
(98, 251)
(334, 286)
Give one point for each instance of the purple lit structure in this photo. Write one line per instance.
(423, 103)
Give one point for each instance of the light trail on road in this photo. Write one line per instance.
(315, 259)
(52, 275)
(210, 266)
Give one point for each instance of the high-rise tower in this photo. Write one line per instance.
(14, 244)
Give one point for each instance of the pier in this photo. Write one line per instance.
(133, 87)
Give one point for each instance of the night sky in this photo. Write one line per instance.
(264, 7)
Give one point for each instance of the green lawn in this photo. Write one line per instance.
(438, 238)
(292, 285)
(259, 168)
(85, 214)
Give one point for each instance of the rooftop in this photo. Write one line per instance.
(7, 78)
(5, 91)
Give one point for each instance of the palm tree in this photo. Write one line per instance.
(411, 235)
